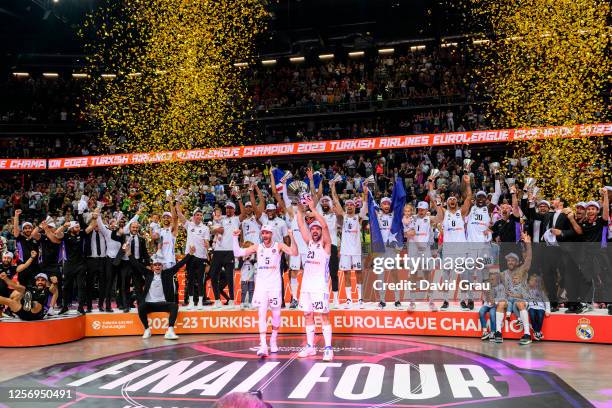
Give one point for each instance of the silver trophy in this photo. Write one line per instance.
(434, 173)
(246, 181)
(235, 190)
(494, 167)
(467, 165)
(369, 182)
(513, 162)
(297, 191)
(529, 183)
(285, 177)
(337, 179)
(524, 161)
(510, 181)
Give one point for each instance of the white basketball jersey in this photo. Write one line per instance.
(479, 221)
(350, 242)
(197, 235)
(251, 230)
(384, 221)
(422, 228)
(332, 224)
(297, 235)
(453, 226)
(167, 241)
(268, 268)
(316, 269)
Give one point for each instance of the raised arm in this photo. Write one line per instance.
(179, 214)
(311, 185)
(606, 204)
(175, 220)
(467, 202)
(516, 211)
(16, 229)
(326, 235)
(334, 194)
(26, 264)
(49, 232)
(302, 225)
(261, 205)
(238, 251)
(527, 254)
(291, 250)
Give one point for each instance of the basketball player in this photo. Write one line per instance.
(420, 237)
(248, 222)
(314, 296)
(267, 281)
(453, 229)
(198, 235)
(385, 219)
(479, 240)
(350, 242)
(167, 237)
(29, 303)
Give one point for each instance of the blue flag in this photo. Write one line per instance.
(316, 178)
(376, 239)
(398, 201)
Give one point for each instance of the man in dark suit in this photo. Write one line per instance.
(160, 291)
(138, 249)
(95, 253)
(556, 262)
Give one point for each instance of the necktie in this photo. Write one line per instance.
(133, 247)
(99, 250)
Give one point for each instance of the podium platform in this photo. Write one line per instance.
(590, 327)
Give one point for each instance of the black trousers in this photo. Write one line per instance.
(195, 279)
(128, 275)
(74, 271)
(222, 260)
(55, 270)
(334, 262)
(96, 272)
(148, 307)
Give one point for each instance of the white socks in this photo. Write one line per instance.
(327, 334)
(348, 292)
(499, 317)
(310, 334)
(525, 319)
(359, 291)
(262, 339)
(294, 288)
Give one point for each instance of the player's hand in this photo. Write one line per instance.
(513, 189)
(17, 213)
(310, 203)
(556, 232)
(33, 254)
(3, 276)
(236, 233)
(66, 224)
(192, 249)
(127, 249)
(309, 173)
(525, 237)
(466, 178)
(53, 280)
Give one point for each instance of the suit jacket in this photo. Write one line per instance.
(142, 244)
(89, 236)
(546, 222)
(167, 277)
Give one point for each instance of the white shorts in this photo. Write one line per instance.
(316, 302)
(350, 262)
(296, 262)
(267, 298)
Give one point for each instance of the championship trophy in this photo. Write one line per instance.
(434, 173)
(529, 183)
(467, 165)
(297, 191)
(494, 168)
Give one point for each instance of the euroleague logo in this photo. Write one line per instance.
(96, 325)
(367, 371)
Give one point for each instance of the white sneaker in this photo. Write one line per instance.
(146, 334)
(170, 334)
(52, 312)
(190, 306)
(328, 354)
(262, 351)
(200, 307)
(412, 307)
(307, 351)
(336, 304)
(348, 304)
(361, 304)
(273, 346)
(230, 304)
(217, 304)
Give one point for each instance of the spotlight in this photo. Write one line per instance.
(268, 62)
(297, 60)
(356, 54)
(79, 75)
(326, 57)
(50, 74)
(386, 51)
(108, 76)
(21, 74)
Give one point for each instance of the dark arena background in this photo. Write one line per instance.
(297, 203)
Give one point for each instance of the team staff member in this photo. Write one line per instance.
(49, 259)
(160, 293)
(95, 252)
(74, 266)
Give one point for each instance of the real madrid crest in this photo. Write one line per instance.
(584, 330)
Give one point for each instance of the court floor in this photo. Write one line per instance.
(541, 374)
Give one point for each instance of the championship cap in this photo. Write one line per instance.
(42, 275)
(513, 255)
(544, 202)
(325, 198)
(267, 228)
(248, 204)
(270, 207)
(315, 224)
(385, 199)
(481, 193)
(9, 254)
(229, 204)
(593, 204)
(167, 214)
(581, 204)
(349, 202)
(73, 224)
(25, 224)
(422, 205)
